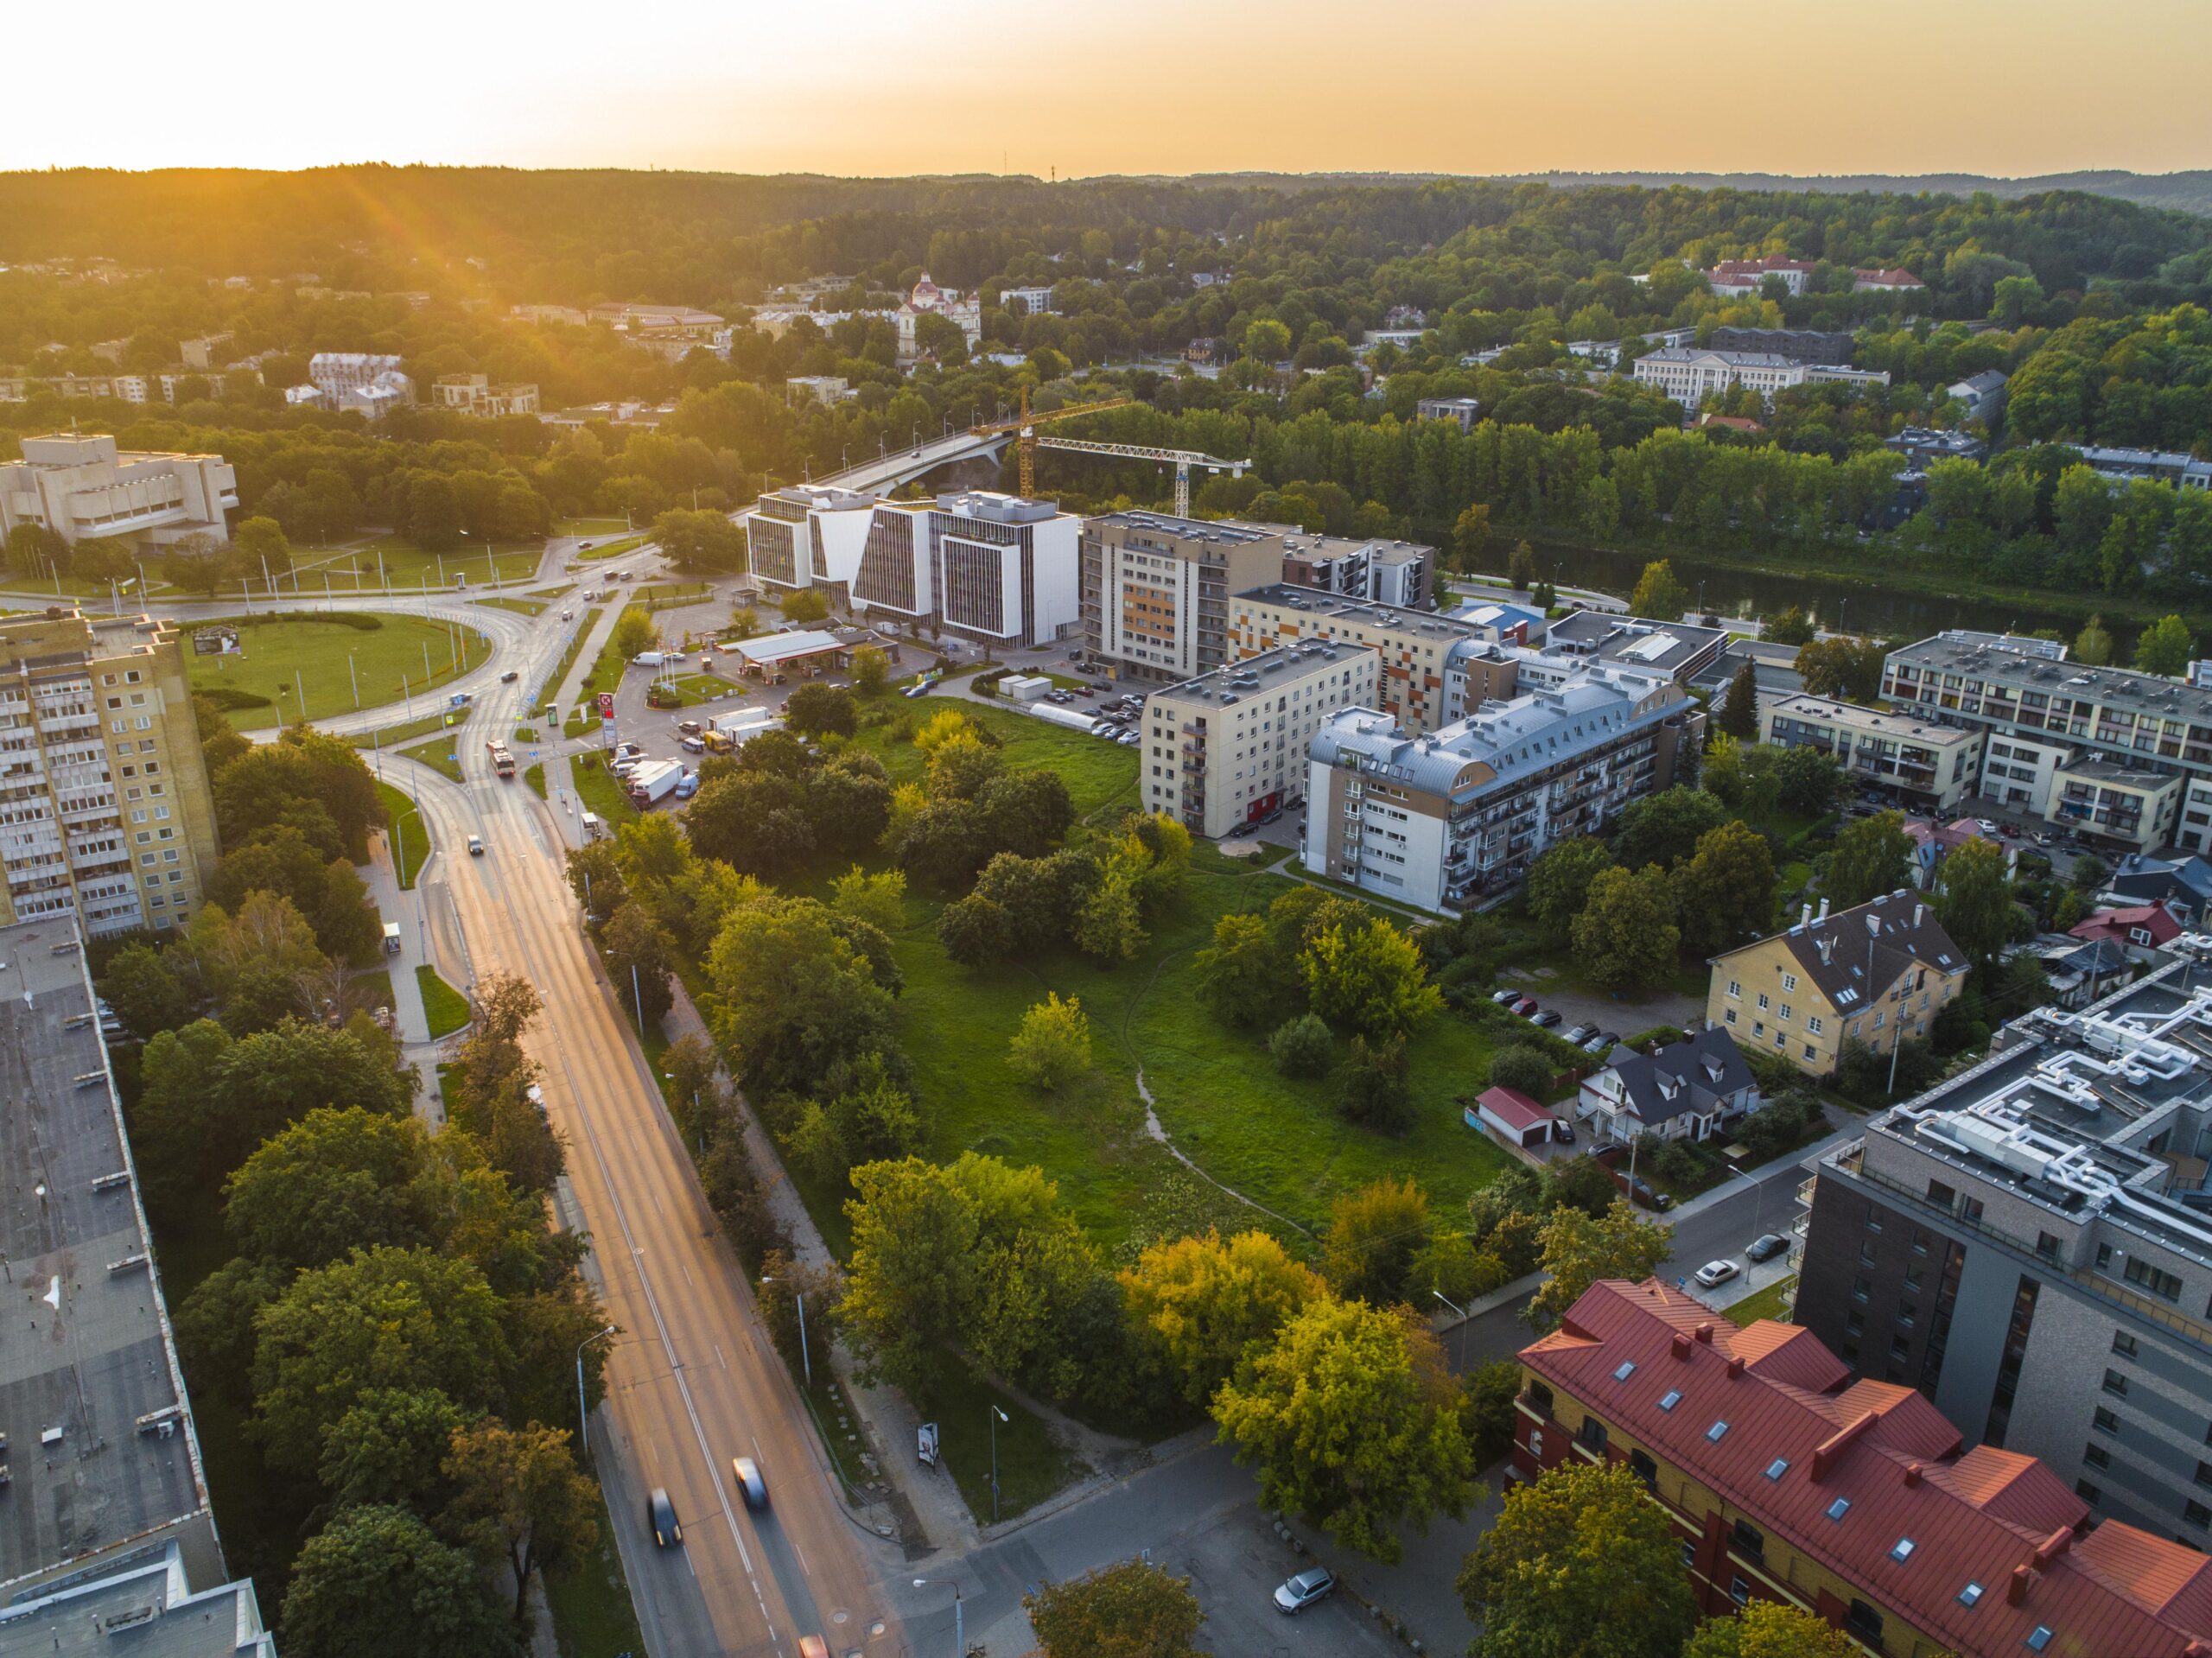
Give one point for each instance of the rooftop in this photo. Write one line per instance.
(1250, 676)
(1828, 711)
(98, 1436)
(1702, 354)
(771, 648)
(1855, 955)
(144, 1606)
(2010, 661)
(1303, 545)
(1400, 618)
(1982, 1551)
(1230, 531)
(1665, 647)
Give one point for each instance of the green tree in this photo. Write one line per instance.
(334, 1181)
(807, 604)
(880, 898)
(146, 996)
(2093, 645)
(1578, 1249)
(641, 956)
(1739, 708)
(1243, 976)
(1521, 1068)
(519, 1498)
(871, 670)
(1664, 828)
(1374, 1234)
(1369, 979)
(1371, 1085)
(1471, 535)
(1807, 780)
(635, 632)
(1725, 892)
(1838, 667)
(1131, 1610)
(1559, 881)
(1767, 1629)
(1871, 856)
(699, 541)
(1052, 1048)
(2165, 648)
(1199, 1304)
(375, 1571)
(1792, 628)
(1521, 569)
(1581, 1561)
(1626, 937)
(818, 710)
(1352, 1421)
(1302, 1046)
(1658, 595)
(261, 544)
(1974, 899)
(795, 989)
(390, 1447)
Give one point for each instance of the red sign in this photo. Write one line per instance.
(607, 705)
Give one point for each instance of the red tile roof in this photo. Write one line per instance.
(2154, 918)
(1892, 277)
(1513, 1108)
(1991, 1517)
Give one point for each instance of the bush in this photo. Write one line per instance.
(1665, 1035)
(1302, 1046)
(1521, 1068)
(1371, 1086)
(1671, 1160)
(223, 697)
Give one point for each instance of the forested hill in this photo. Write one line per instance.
(2189, 192)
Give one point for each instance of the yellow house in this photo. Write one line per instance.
(1875, 975)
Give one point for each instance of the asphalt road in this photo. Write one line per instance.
(691, 1380)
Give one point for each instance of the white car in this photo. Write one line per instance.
(1715, 1273)
(1985, 826)
(1317, 1583)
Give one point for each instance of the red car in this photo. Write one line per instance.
(1526, 1006)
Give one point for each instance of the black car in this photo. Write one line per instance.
(1766, 1247)
(510, 676)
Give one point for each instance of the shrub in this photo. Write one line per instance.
(1521, 1068)
(1371, 1086)
(223, 697)
(1302, 1046)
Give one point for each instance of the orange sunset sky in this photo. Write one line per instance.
(866, 87)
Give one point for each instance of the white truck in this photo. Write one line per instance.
(654, 780)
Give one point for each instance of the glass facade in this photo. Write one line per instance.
(775, 556)
(886, 573)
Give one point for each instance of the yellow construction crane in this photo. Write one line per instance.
(1026, 425)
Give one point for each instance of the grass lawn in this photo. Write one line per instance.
(693, 688)
(404, 565)
(1098, 774)
(1765, 1304)
(612, 548)
(1031, 1465)
(657, 593)
(593, 1615)
(445, 1007)
(592, 527)
(391, 736)
(584, 625)
(439, 755)
(527, 606)
(411, 836)
(535, 776)
(370, 987)
(607, 667)
(327, 656)
(600, 790)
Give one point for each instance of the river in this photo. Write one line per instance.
(1727, 590)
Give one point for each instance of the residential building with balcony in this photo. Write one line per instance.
(997, 569)
(1416, 649)
(1876, 974)
(1440, 819)
(809, 535)
(1927, 767)
(1387, 572)
(1786, 1481)
(2124, 758)
(1156, 589)
(475, 394)
(86, 488)
(1462, 412)
(2030, 1246)
(1229, 747)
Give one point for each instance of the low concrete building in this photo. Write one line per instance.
(86, 489)
(1229, 747)
(824, 389)
(1928, 766)
(1462, 412)
(1512, 1117)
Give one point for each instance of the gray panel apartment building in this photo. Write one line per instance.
(2031, 1245)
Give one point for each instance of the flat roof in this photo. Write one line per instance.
(2039, 665)
(784, 647)
(144, 1606)
(100, 1445)
(1874, 719)
(1400, 618)
(1251, 676)
(1217, 530)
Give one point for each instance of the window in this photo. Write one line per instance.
(1763, 1001)
(2116, 1384)
(1780, 1466)
(2164, 1284)
(1855, 1324)
(1736, 990)
(1813, 1023)
(1541, 1397)
(2204, 1473)
(2039, 1638)
(2096, 1456)
(1644, 1468)
(1859, 1287)
(1689, 1554)
(1970, 1594)
(1739, 1591)
(2089, 1493)
(2105, 1422)
(1716, 1431)
(1865, 1623)
(2123, 1343)
(1591, 1433)
(2196, 1514)
(1789, 982)
(1903, 1551)
(1625, 1371)
(2047, 1246)
(1673, 1397)
(1747, 1538)
(1940, 1194)
(1839, 1508)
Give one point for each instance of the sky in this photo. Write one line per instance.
(2007, 87)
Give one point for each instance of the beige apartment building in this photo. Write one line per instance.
(1412, 647)
(1877, 975)
(1229, 747)
(1930, 767)
(1156, 589)
(84, 488)
(475, 394)
(105, 810)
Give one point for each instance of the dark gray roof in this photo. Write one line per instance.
(1694, 1076)
(2155, 880)
(1856, 955)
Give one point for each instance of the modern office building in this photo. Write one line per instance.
(1876, 974)
(110, 1544)
(809, 535)
(1441, 818)
(2121, 758)
(1156, 589)
(1786, 1481)
(1925, 766)
(106, 811)
(1229, 747)
(994, 568)
(86, 488)
(2030, 1245)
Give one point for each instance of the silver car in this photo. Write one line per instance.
(1302, 1591)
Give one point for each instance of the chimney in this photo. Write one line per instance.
(1918, 911)
(2054, 1546)
(1828, 947)
(2017, 1591)
(1805, 915)
(1735, 1365)
(1912, 1471)
(1824, 909)
(1681, 1345)
(1704, 1332)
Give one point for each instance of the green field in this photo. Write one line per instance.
(439, 755)
(404, 565)
(368, 989)
(693, 688)
(600, 791)
(526, 606)
(409, 836)
(589, 526)
(1032, 1467)
(589, 1599)
(1766, 1303)
(282, 656)
(1098, 773)
(445, 1007)
(421, 725)
(612, 548)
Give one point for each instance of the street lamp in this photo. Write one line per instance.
(583, 1423)
(805, 1359)
(1462, 1312)
(959, 1622)
(997, 1416)
(1758, 1213)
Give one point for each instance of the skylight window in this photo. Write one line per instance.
(1903, 1550)
(1714, 1433)
(1625, 1371)
(1674, 1397)
(1970, 1594)
(1778, 1468)
(1839, 1508)
(2038, 1639)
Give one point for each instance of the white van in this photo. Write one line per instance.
(391, 937)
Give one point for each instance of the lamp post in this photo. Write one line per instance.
(1758, 1213)
(959, 1623)
(583, 1423)
(1462, 1312)
(806, 1358)
(997, 1416)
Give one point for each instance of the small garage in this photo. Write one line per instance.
(1512, 1117)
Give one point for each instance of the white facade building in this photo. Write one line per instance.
(809, 535)
(359, 381)
(84, 488)
(929, 299)
(1027, 301)
(994, 568)
(1686, 373)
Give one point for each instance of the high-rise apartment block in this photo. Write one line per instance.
(106, 811)
(1156, 590)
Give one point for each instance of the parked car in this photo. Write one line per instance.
(1563, 1130)
(694, 745)
(660, 1514)
(1548, 1018)
(1578, 1034)
(1129, 739)
(689, 728)
(1717, 1272)
(628, 749)
(1597, 1044)
(1766, 1247)
(1503, 997)
(1302, 1591)
(1985, 825)
(747, 1472)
